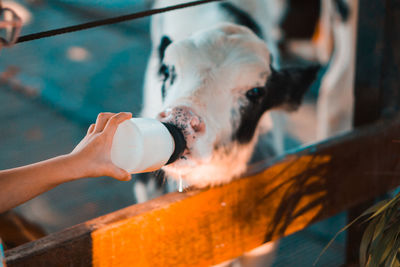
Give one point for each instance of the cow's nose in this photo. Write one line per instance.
(183, 117)
(163, 114)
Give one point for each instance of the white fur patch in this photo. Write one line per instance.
(220, 168)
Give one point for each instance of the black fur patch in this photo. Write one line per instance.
(242, 18)
(163, 71)
(284, 89)
(163, 91)
(343, 9)
(164, 43)
(167, 74)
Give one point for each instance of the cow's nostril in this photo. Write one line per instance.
(197, 125)
(164, 114)
(194, 122)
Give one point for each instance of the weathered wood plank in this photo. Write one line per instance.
(391, 60)
(377, 94)
(367, 97)
(377, 91)
(71, 247)
(369, 58)
(204, 227)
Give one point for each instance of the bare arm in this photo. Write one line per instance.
(90, 158)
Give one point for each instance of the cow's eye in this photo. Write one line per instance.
(255, 93)
(164, 71)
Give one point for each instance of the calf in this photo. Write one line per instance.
(214, 73)
(334, 44)
(216, 83)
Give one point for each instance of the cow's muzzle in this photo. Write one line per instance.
(191, 124)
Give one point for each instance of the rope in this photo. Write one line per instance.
(97, 23)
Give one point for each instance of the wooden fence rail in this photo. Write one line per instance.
(204, 227)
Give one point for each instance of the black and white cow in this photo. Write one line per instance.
(213, 73)
(333, 44)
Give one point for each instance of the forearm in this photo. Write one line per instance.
(21, 184)
(90, 158)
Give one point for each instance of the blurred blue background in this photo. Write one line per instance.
(52, 89)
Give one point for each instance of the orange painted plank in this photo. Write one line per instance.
(204, 227)
(211, 226)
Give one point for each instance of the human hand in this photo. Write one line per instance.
(92, 156)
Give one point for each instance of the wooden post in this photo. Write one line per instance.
(377, 90)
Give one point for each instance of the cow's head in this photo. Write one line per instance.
(216, 86)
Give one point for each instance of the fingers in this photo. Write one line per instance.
(111, 119)
(101, 121)
(120, 174)
(114, 121)
(91, 128)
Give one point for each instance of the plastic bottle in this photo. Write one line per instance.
(145, 145)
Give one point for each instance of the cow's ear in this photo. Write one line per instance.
(164, 43)
(286, 87)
